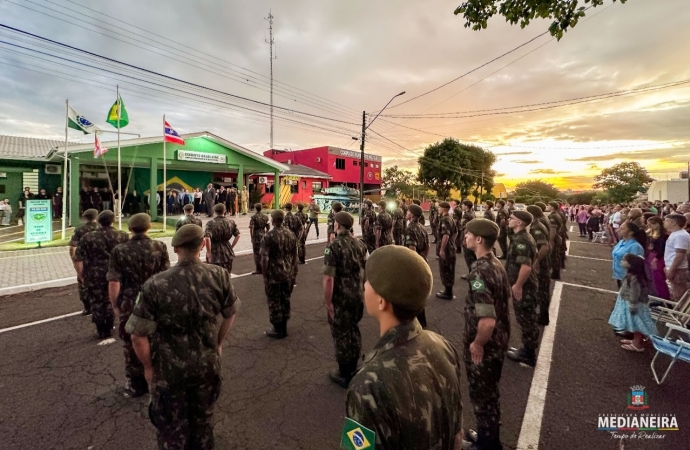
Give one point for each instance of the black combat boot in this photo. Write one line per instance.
(555, 274)
(257, 271)
(543, 318)
(446, 294)
(524, 355)
(277, 332)
(343, 374)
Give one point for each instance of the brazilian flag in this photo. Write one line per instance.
(357, 437)
(112, 115)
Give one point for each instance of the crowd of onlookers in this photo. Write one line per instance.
(6, 210)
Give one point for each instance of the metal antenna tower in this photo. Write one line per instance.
(270, 43)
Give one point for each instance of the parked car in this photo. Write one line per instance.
(520, 207)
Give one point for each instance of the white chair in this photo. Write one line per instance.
(599, 236)
(677, 349)
(677, 313)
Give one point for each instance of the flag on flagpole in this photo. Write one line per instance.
(79, 122)
(171, 135)
(112, 115)
(98, 150)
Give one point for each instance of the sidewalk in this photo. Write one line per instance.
(28, 270)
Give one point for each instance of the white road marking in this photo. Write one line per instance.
(106, 341)
(567, 247)
(589, 257)
(4, 330)
(45, 284)
(572, 228)
(586, 243)
(608, 291)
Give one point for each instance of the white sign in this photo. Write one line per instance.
(353, 154)
(186, 155)
(3, 174)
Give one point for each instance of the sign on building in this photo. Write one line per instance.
(186, 155)
(38, 226)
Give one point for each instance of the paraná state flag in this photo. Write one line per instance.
(98, 150)
(171, 135)
(79, 122)
(112, 115)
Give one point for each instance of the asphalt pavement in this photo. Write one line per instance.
(60, 389)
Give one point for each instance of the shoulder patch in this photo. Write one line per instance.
(521, 246)
(327, 251)
(357, 437)
(478, 285)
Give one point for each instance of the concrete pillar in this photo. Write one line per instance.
(276, 190)
(74, 190)
(153, 186)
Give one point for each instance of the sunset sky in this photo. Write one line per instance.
(335, 59)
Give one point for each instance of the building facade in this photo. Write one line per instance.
(674, 190)
(296, 185)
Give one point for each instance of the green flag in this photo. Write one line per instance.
(112, 115)
(357, 437)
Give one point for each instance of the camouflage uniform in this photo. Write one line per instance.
(259, 226)
(433, 220)
(330, 223)
(220, 230)
(74, 242)
(187, 220)
(541, 237)
(181, 321)
(280, 246)
(384, 224)
(344, 260)
(417, 237)
(302, 243)
(468, 254)
(503, 215)
(408, 391)
(564, 237)
(368, 232)
(292, 223)
(447, 227)
(399, 227)
(488, 296)
(523, 250)
(489, 215)
(131, 264)
(94, 251)
(556, 223)
(457, 217)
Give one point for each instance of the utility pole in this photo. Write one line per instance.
(270, 43)
(361, 165)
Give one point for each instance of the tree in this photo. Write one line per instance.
(398, 182)
(623, 181)
(564, 13)
(583, 198)
(532, 191)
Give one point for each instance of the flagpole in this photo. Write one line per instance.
(120, 198)
(64, 174)
(165, 183)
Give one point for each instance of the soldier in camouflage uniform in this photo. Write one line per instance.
(502, 217)
(91, 259)
(302, 243)
(258, 227)
(368, 225)
(292, 223)
(219, 231)
(279, 267)
(180, 342)
(487, 331)
(336, 207)
(427, 412)
(188, 217)
(131, 264)
(489, 213)
(384, 227)
(398, 223)
(540, 233)
(419, 203)
(467, 215)
(433, 219)
(417, 239)
(563, 233)
(522, 255)
(447, 232)
(556, 224)
(88, 226)
(343, 263)
(404, 209)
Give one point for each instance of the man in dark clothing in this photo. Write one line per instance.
(232, 201)
(95, 201)
(209, 199)
(57, 203)
(89, 225)
(219, 231)
(258, 227)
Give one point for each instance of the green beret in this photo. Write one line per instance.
(417, 202)
(483, 227)
(535, 210)
(416, 210)
(541, 205)
(188, 207)
(106, 216)
(139, 222)
(345, 219)
(400, 276)
(278, 214)
(288, 206)
(219, 208)
(382, 203)
(445, 205)
(186, 234)
(337, 206)
(524, 216)
(468, 203)
(90, 214)
(554, 205)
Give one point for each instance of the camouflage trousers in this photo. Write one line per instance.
(469, 256)
(447, 269)
(256, 247)
(278, 296)
(386, 239)
(526, 315)
(84, 296)
(434, 230)
(101, 309)
(226, 265)
(134, 370)
(302, 248)
(398, 236)
(503, 242)
(483, 380)
(556, 261)
(184, 417)
(544, 289)
(370, 242)
(458, 242)
(345, 331)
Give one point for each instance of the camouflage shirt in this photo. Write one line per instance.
(433, 214)
(330, 222)
(487, 296)
(293, 223)
(384, 222)
(417, 237)
(489, 215)
(94, 251)
(399, 218)
(447, 227)
(344, 259)
(259, 226)
(81, 232)
(541, 237)
(522, 251)
(220, 230)
(186, 220)
(134, 262)
(302, 217)
(502, 215)
(556, 223)
(178, 310)
(280, 245)
(408, 391)
(370, 220)
(466, 217)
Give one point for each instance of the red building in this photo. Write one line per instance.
(341, 165)
(297, 184)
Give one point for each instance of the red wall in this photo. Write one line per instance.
(303, 195)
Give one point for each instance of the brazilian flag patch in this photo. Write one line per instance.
(327, 251)
(357, 437)
(478, 285)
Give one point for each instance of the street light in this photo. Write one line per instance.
(361, 149)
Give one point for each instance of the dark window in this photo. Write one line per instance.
(316, 186)
(366, 164)
(340, 164)
(2, 188)
(294, 188)
(354, 162)
(304, 184)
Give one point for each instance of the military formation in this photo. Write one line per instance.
(173, 321)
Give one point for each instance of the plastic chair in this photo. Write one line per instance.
(677, 350)
(599, 236)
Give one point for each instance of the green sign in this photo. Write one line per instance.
(38, 225)
(357, 437)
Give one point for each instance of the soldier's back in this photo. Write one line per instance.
(136, 261)
(187, 220)
(280, 245)
(415, 234)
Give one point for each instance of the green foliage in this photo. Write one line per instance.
(255, 197)
(397, 182)
(564, 13)
(583, 198)
(535, 191)
(623, 181)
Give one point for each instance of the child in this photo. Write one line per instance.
(593, 224)
(631, 312)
